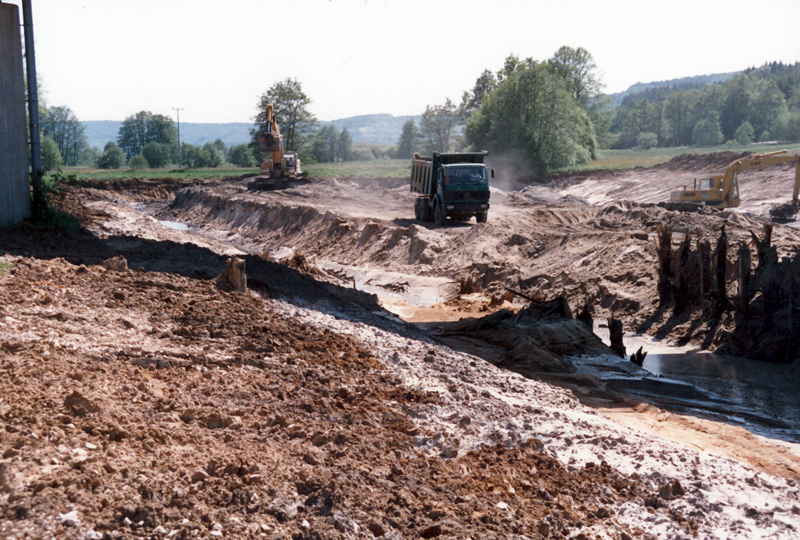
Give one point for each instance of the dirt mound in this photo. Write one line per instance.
(715, 162)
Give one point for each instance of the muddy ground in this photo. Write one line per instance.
(346, 394)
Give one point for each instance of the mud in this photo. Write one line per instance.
(148, 402)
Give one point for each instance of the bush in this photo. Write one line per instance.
(210, 156)
(157, 154)
(112, 157)
(647, 140)
(241, 156)
(137, 162)
(51, 157)
(707, 133)
(744, 133)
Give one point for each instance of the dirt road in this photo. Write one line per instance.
(145, 402)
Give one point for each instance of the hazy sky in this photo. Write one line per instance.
(108, 59)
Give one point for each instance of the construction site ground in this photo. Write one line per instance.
(358, 389)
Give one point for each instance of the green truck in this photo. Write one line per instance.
(451, 185)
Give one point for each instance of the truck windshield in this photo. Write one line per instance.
(465, 175)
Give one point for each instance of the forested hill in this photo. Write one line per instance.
(370, 128)
(683, 82)
(373, 128)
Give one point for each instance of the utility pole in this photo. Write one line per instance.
(39, 204)
(178, 110)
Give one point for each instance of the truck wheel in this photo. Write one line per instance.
(424, 210)
(416, 209)
(481, 218)
(438, 214)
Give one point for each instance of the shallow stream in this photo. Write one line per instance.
(762, 397)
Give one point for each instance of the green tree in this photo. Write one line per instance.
(737, 105)
(112, 157)
(51, 156)
(532, 115)
(707, 132)
(144, 127)
(221, 146)
(210, 156)
(471, 100)
(408, 141)
(326, 145)
(577, 69)
(157, 154)
(290, 107)
(744, 133)
(138, 162)
(769, 104)
(64, 128)
(345, 145)
(647, 140)
(191, 155)
(241, 155)
(436, 127)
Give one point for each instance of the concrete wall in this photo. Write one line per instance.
(14, 178)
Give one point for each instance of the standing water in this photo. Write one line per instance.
(760, 396)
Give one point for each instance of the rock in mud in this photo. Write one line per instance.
(79, 405)
(234, 276)
(116, 264)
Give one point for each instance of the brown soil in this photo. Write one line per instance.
(152, 403)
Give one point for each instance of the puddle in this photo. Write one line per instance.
(174, 225)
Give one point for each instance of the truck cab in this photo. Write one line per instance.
(463, 190)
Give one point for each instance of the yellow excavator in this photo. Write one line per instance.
(280, 164)
(722, 190)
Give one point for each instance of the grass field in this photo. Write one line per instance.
(637, 157)
(607, 159)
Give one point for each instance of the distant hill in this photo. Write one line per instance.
(99, 132)
(688, 82)
(374, 128)
(370, 128)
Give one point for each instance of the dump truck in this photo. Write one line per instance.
(722, 190)
(451, 185)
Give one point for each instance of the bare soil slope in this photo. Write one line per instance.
(149, 403)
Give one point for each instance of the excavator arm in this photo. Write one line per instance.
(730, 183)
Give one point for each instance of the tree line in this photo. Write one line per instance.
(547, 114)
(759, 104)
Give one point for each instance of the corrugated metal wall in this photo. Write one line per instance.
(14, 179)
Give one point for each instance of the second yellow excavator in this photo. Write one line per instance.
(280, 164)
(722, 190)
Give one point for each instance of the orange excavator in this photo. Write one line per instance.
(722, 190)
(280, 164)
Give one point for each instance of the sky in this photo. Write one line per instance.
(108, 59)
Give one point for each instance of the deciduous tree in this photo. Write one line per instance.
(112, 157)
(577, 69)
(531, 114)
(144, 127)
(241, 155)
(345, 145)
(64, 128)
(290, 107)
(408, 141)
(436, 127)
